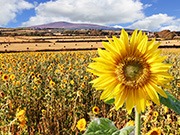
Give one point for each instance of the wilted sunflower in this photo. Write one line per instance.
(130, 71)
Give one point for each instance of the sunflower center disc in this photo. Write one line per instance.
(133, 71)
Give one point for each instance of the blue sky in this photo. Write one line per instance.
(153, 15)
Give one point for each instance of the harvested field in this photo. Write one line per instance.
(45, 43)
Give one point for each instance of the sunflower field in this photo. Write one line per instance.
(48, 92)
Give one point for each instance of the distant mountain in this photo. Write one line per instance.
(67, 25)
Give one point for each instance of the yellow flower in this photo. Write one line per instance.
(5, 77)
(154, 131)
(62, 85)
(43, 111)
(3, 66)
(37, 80)
(178, 84)
(81, 124)
(39, 76)
(155, 114)
(20, 115)
(130, 123)
(65, 81)
(17, 83)
(130, 71)
(95, 110)
(10, 69)
(52, 83)
(57, 71)
(32, 73)
(34, 88)
(12, 76)
(83, 85)
(72, 82)
(85, 77)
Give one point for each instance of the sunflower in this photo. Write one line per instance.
(34, 87)
(155, 114)
(81, 124)
(130, 71)
(154, 131)
(95, 110)
(166, 109)
(21, 116)
(72, 82)
(12, 76)
(5, 77)
(130, 123)
(52, 83)
(20, 113)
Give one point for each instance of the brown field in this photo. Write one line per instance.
(49, 43)
(39, 43)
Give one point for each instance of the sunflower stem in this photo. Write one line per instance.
(137, 123)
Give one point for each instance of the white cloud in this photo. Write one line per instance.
(173, 25)
(147, 6)
(157, 22)
(94, 11)
(117, 26)
(10, 8)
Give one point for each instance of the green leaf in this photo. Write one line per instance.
(124, 131)
(101, 126)
(104, 126)
(110, 101)
(171, 102)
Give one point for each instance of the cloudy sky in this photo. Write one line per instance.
(154, 15)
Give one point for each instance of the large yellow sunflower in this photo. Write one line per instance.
(130, 71)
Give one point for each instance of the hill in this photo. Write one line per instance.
(73, 26)
(167, 34)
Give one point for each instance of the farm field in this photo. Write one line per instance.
(48, 92)
(48, 43)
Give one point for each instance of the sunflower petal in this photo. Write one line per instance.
(130, 101)
(159, 90)
(124, 37)
(120, 98)
(152, 93)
